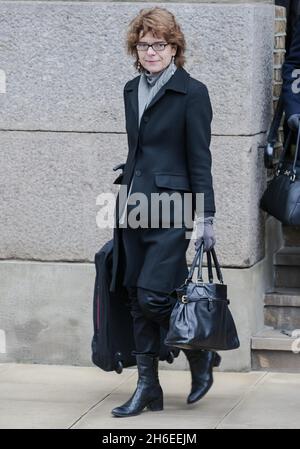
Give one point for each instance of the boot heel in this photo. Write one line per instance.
(156, 405)
(217, 359)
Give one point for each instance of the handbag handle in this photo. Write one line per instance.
(209, 268)
(193, 265)
(217, 265)
(199, 257)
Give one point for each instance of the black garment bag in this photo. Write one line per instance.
(113, 340)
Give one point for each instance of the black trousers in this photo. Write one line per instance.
(149, 310)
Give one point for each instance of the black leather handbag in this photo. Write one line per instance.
(201, 318)
(281, 198)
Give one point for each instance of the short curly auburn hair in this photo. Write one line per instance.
(162, 23)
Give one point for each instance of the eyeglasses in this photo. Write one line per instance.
(156, 46)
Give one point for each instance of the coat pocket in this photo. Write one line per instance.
(172, 181)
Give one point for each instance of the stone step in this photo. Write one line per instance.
(291, 235)
(283, 297)
(272, 350)
(287, 267)
(286, 276)
(273, 339)
(282, 309)
(288, 256)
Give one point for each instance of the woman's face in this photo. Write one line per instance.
(155, 61)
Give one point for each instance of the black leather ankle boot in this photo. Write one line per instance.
(201, 365)
(148, 392)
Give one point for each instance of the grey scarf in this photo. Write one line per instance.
(150, 84)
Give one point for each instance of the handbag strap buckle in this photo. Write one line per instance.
(199, 281)
(184, 299)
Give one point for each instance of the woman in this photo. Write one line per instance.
(168, 116)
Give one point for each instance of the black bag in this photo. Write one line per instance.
(201, 318)
(113, 340)
(282, 195)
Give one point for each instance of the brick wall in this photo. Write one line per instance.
(279, 55)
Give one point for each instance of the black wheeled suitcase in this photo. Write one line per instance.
(113, 340)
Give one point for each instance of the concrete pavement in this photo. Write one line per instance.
(60, 397)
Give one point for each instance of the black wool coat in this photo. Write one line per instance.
(168, 152)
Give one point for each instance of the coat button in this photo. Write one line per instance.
(138, 172)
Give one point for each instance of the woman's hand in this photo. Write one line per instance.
(293, 122)
(205, 232)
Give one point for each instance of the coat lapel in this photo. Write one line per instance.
(178, 83)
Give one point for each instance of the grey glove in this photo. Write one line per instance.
(205, 232)
(293, 122)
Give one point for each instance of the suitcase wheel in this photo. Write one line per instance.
(119, 367)
(118, 362)
(170, 357)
